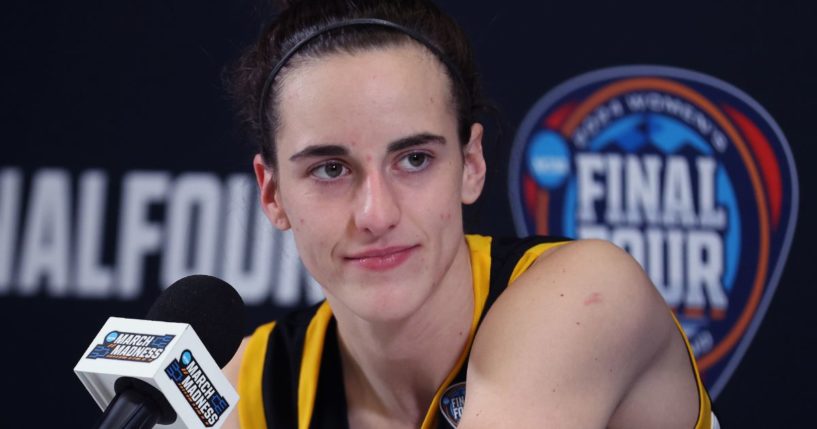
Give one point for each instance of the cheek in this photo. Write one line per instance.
(299, 225)
(444, 200)
(299, 207)
(444, 209)
(313, 225)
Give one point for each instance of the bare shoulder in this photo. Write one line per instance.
(577, 328)
(593, 279)
(232, 371)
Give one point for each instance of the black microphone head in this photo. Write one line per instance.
(211, 306)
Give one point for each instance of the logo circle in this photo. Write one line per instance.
(111, 337)
(548, 159)
(187, 357)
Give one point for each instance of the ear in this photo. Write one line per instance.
(269, 194)
(473, 172)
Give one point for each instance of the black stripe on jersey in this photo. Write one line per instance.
(330, 398)
(282, 369)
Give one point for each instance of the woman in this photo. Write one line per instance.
(365, 111)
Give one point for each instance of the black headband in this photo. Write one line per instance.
(262, 105)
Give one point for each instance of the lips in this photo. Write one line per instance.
(381, 259)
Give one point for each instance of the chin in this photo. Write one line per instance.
(389, 306)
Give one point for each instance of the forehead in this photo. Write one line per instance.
(373, 95)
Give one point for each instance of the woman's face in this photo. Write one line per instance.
(371, 176)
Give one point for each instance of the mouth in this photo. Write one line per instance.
(381, 259)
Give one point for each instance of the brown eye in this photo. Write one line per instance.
(415, 161)
(330, 170)
(333, 170)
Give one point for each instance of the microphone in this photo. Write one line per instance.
(167, 370)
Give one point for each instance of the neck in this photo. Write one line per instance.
(393, 369)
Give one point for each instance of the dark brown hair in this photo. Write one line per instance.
(300, 19)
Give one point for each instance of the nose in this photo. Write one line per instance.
(377, 207)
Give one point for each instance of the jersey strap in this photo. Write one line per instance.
(495, 263)
(280, 370)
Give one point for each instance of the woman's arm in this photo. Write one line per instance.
(566, 342)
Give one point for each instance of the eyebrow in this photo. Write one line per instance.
(415, 140)
(322, 150)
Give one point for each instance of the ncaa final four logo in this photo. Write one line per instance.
(687, 173)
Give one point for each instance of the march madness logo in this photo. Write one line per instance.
(687, 173)
(130, 347)
(196, 387)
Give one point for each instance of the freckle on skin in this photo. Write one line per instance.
(578, 323)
